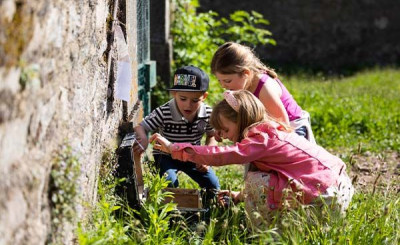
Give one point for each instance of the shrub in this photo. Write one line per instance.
(196, 36)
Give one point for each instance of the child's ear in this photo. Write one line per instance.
(246, 72)
(205, 95)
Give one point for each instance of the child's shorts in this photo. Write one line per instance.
(337, 196)
(256, 197)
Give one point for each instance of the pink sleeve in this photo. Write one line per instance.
(246, 151)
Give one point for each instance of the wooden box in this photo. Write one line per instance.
(130, 168)
(185, 198)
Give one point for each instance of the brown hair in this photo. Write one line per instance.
(251, 112)
(233, 58)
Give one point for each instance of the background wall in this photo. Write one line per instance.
(160, 40)
(54, 91)
(328, 35)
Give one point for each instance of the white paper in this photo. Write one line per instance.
(124, 70)
(124, 78)
(122, 47)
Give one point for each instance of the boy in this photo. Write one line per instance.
(185, 118)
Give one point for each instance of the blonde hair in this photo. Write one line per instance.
(251, 112)
(233, 58)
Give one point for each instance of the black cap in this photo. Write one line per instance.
(190, 78)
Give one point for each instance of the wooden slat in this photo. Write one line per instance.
(185, 198)
(137, 166)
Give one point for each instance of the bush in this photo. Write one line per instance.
(196, 36)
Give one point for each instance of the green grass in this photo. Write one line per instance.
(357, 113)
(361, 109)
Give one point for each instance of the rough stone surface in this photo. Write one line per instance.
(327, 35)
(53, 92)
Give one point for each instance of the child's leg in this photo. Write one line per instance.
(207, 180)
(168, 166)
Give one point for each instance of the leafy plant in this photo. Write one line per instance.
(106, 226)
(64, 193)
(196, 36)
(155, 213)
(110, 221)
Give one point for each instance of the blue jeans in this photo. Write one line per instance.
(207, 180)
(302, 131)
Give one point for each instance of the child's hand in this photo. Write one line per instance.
(141, 142)
(202, 168)
(140, 145)
(160, 143)
(235, 195)
(217, 135)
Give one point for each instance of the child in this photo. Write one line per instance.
(185, 118)
(289, 169)
(237, 67)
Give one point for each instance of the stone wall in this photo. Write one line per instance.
(327, 35)
(54, 91)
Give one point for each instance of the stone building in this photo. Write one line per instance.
(59, 104)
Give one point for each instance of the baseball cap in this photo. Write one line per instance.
(190, 78)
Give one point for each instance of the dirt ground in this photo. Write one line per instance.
(375, 172)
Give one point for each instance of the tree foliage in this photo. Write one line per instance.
(196, 36)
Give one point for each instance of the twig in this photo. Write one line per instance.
(376, 180)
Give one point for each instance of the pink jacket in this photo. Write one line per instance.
(290, 160)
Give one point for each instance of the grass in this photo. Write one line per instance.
(354, 114)
(361, 109)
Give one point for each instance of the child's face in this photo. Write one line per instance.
(234, 81)
(188, 103)
(229, 130)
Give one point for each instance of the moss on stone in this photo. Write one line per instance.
(16, 34)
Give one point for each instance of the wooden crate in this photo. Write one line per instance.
(185, 198)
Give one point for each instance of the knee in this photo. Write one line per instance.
(214, 182)
(171, 176)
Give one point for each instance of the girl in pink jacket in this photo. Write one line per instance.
(286, 169)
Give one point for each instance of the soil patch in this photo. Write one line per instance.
(372, 172)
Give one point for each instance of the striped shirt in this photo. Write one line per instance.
(174, 127)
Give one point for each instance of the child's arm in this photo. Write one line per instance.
(143, 142)
(241, 153)
(270, 97)
(210, 140)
